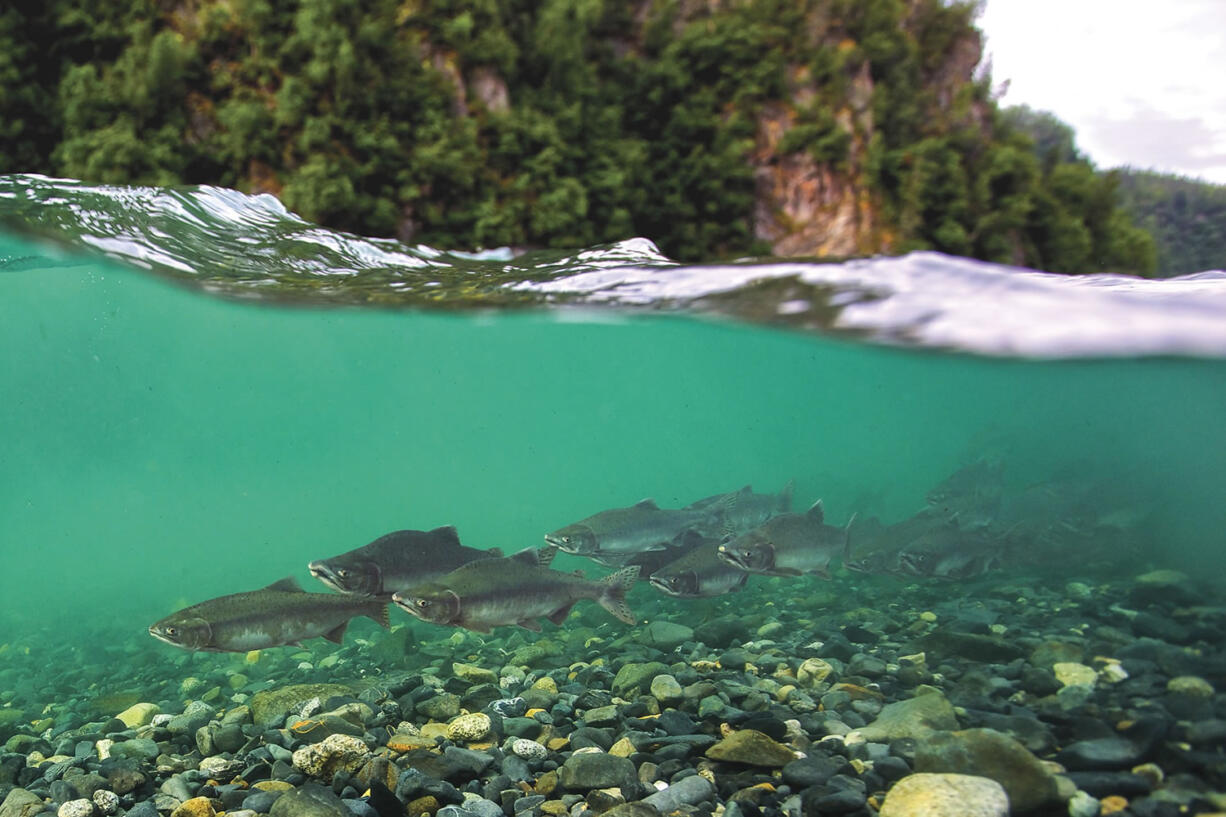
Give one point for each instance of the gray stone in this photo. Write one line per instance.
(915, 717)
(442, 707)
(196, 715)
(994, 755)
(945, 795)
(311, 800)
(601, 716)
(1100, 753)
(137, 748)
(666, 689)
(688, 791)
(665, 635)
(584, 771)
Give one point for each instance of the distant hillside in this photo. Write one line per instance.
(718, 128)
(1186, 217)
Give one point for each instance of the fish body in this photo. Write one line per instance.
(395, 561)
(282, 613)
(788, 545)
(947, 552)
(971, 495)
(519, 589)
(614, 536)
(699, 573)
(744, 510)
(873, 547)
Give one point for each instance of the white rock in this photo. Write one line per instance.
(76, 808)
(945, 795)
(529, 749)
(106, 800)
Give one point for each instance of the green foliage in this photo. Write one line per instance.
(1186, 217)
(557, 123)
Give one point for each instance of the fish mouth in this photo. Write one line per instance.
(560, 543)
(662, 585)
(325, 574)
(731, 557)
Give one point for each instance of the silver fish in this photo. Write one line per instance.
(397, 560)
(613, 536)
(744, 510)
(519, 589)
(700, 573)
(788, 545)
(971, 495)
(282, 613)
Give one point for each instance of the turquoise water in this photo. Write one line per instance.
(161, 445)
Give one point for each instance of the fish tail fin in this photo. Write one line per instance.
(847, 540)
(379, 613)
(785, 496)
(613, 593)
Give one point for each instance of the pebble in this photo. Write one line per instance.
(529, 750)
(76, 808)
(469, 727)
(987, 753)
(334, 753)
(753, 748)
(945, 795)
(689, 791)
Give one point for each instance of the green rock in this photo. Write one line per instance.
(441, 707)
(710, 706)
(474, 674)
(989, 649)
(994, 755)
(393, 648)
(21, 803)
(311, 800)
(666, 689)
(665, 635)
(915, 717)
(752, 748)
(634, 678)
(584, 771)
(270, 707)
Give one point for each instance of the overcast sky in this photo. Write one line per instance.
(1142, 83)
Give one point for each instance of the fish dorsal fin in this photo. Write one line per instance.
(536, 557)
(817, 513)
(448, 533)
(746, 491)
(495, 552)
(785, 496)
(648, 504)
(287, 585)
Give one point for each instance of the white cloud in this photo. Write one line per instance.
(1138, 81)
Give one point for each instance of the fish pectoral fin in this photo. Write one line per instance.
(287, 585)
(337, 634)
(559, 615)
(530, 624)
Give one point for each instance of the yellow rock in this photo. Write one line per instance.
(253, 657)
(554, 808)
(469, 727)
(237, 680)
(546, 783)
(1071, 672)
(434, 730)
(546, 683)
(401, 742)
(1112, 803)
(813, 671)
(928, 616)
(138, 715)
(272, 785)
(422, 805)
(782, 693)
(557, 744)
(1190, 685)
(196, 807)
(623, 748)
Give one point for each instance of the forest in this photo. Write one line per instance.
(569, 123)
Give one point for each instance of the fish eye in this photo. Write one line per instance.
(423, 603)
(172, 631)
(342, 572)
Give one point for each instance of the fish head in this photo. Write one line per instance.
(429, 602)
(750, 553)
(186, 632)
(681, 583)
(577, 539)
(360, 576)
